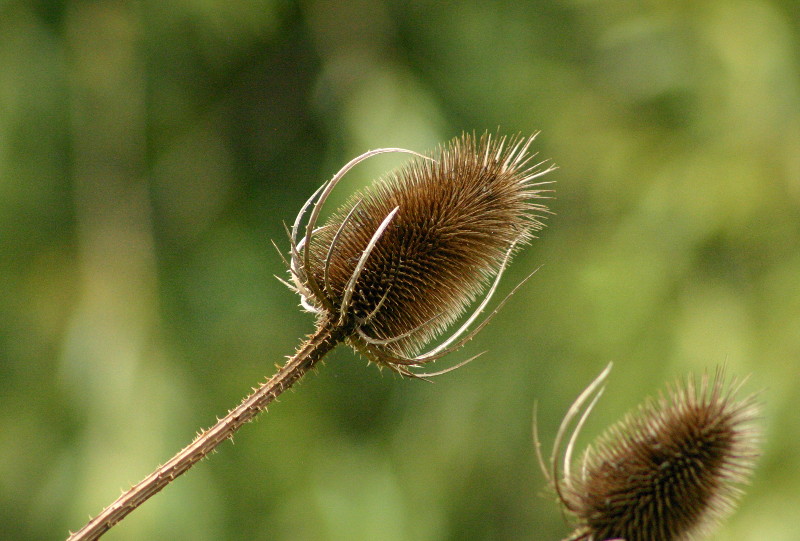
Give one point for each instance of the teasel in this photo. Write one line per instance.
(397, 264)
(669, 471)
(389, 271)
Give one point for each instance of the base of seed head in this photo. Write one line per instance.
(401, 261)
(668, 472)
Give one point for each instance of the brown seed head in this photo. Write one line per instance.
(403, 259)
(669, 471)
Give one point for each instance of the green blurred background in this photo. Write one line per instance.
(150, 150)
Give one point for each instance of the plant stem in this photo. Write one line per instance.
(313, 350)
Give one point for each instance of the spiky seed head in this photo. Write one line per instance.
(668, 472)
(458, 214)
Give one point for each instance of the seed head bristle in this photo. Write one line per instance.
(669, 471)
(404, 258)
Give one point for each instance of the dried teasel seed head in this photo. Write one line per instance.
(667, 472)
(404, 258)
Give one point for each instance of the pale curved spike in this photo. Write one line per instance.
(482, 305)
(300, 277)
(396, 358)
(528, 172)
(383, 342)
(297, 271)
(512, 156)
(486, 152)
(291, 287)
(325, 283)
(382, 357)
(539, 173)
(326, 191)
(292, 246)
(524, 150)
(523, 158)
(294, 260)
(430, 356)
(303, 210)
(302, 292)
(448, 369)
(500, 146)
(280, 254)
(573, 410)
(377, 308)
(567, 466)
(297, 287)
(537, 445)
(351, 284)
(299, 246)
(331, 184)
(307, 306)
(387, 356)
(585, 463)
(403, 371)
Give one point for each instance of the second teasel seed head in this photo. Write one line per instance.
(404, 258)
(667, 472)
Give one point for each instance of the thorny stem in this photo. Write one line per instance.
(313, 350)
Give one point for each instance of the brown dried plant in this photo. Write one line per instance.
(668, 472)
(389, 271)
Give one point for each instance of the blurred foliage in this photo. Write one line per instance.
(150, 149)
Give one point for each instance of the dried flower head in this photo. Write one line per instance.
(402, 260)
(667, 472)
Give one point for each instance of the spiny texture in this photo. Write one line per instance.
(458, 215)
(668, 473)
